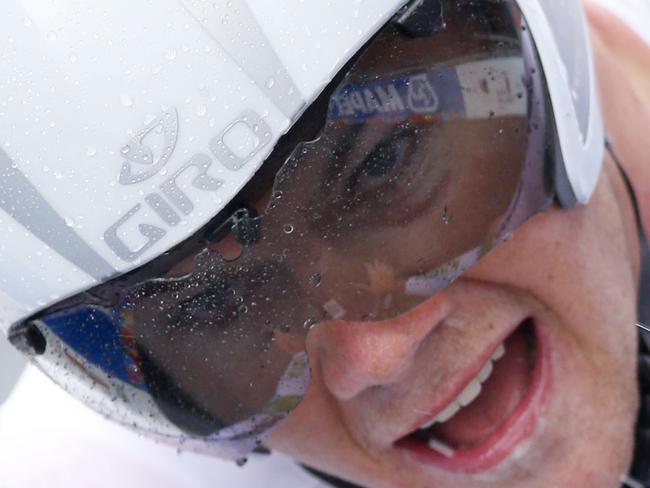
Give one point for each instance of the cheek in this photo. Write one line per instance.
(578, 263)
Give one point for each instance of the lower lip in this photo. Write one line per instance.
(500, 445)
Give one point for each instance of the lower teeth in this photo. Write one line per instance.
(441, 447)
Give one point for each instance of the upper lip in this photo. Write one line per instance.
(457, 381)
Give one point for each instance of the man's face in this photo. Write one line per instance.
(559, 406)
(520, 373)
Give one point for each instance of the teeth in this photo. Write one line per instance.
(448, 412)
(468, 395)
(441, 447)
(498, 354)
(485, 373)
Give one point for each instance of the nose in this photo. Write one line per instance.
(354, 356)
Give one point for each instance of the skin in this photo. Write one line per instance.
(575, 271)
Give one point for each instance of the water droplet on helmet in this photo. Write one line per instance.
(126, 100)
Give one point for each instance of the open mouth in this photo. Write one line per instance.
(493, 413)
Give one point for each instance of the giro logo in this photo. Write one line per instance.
(422, 97)
(139, 164)
(173, 200)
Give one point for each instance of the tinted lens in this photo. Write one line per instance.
(431, 151)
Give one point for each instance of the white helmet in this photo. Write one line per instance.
(133, 136)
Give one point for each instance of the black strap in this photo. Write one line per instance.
(644, 289)
(640, 472)
(331, 480)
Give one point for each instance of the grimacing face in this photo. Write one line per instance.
(373, 383)
(544, 322)
(558, 410)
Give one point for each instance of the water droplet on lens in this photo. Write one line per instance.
(446, 218)
(309, 323)
(270, 83)
(288, 229)
(315, 279)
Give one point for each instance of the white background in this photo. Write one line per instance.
(11, 364)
